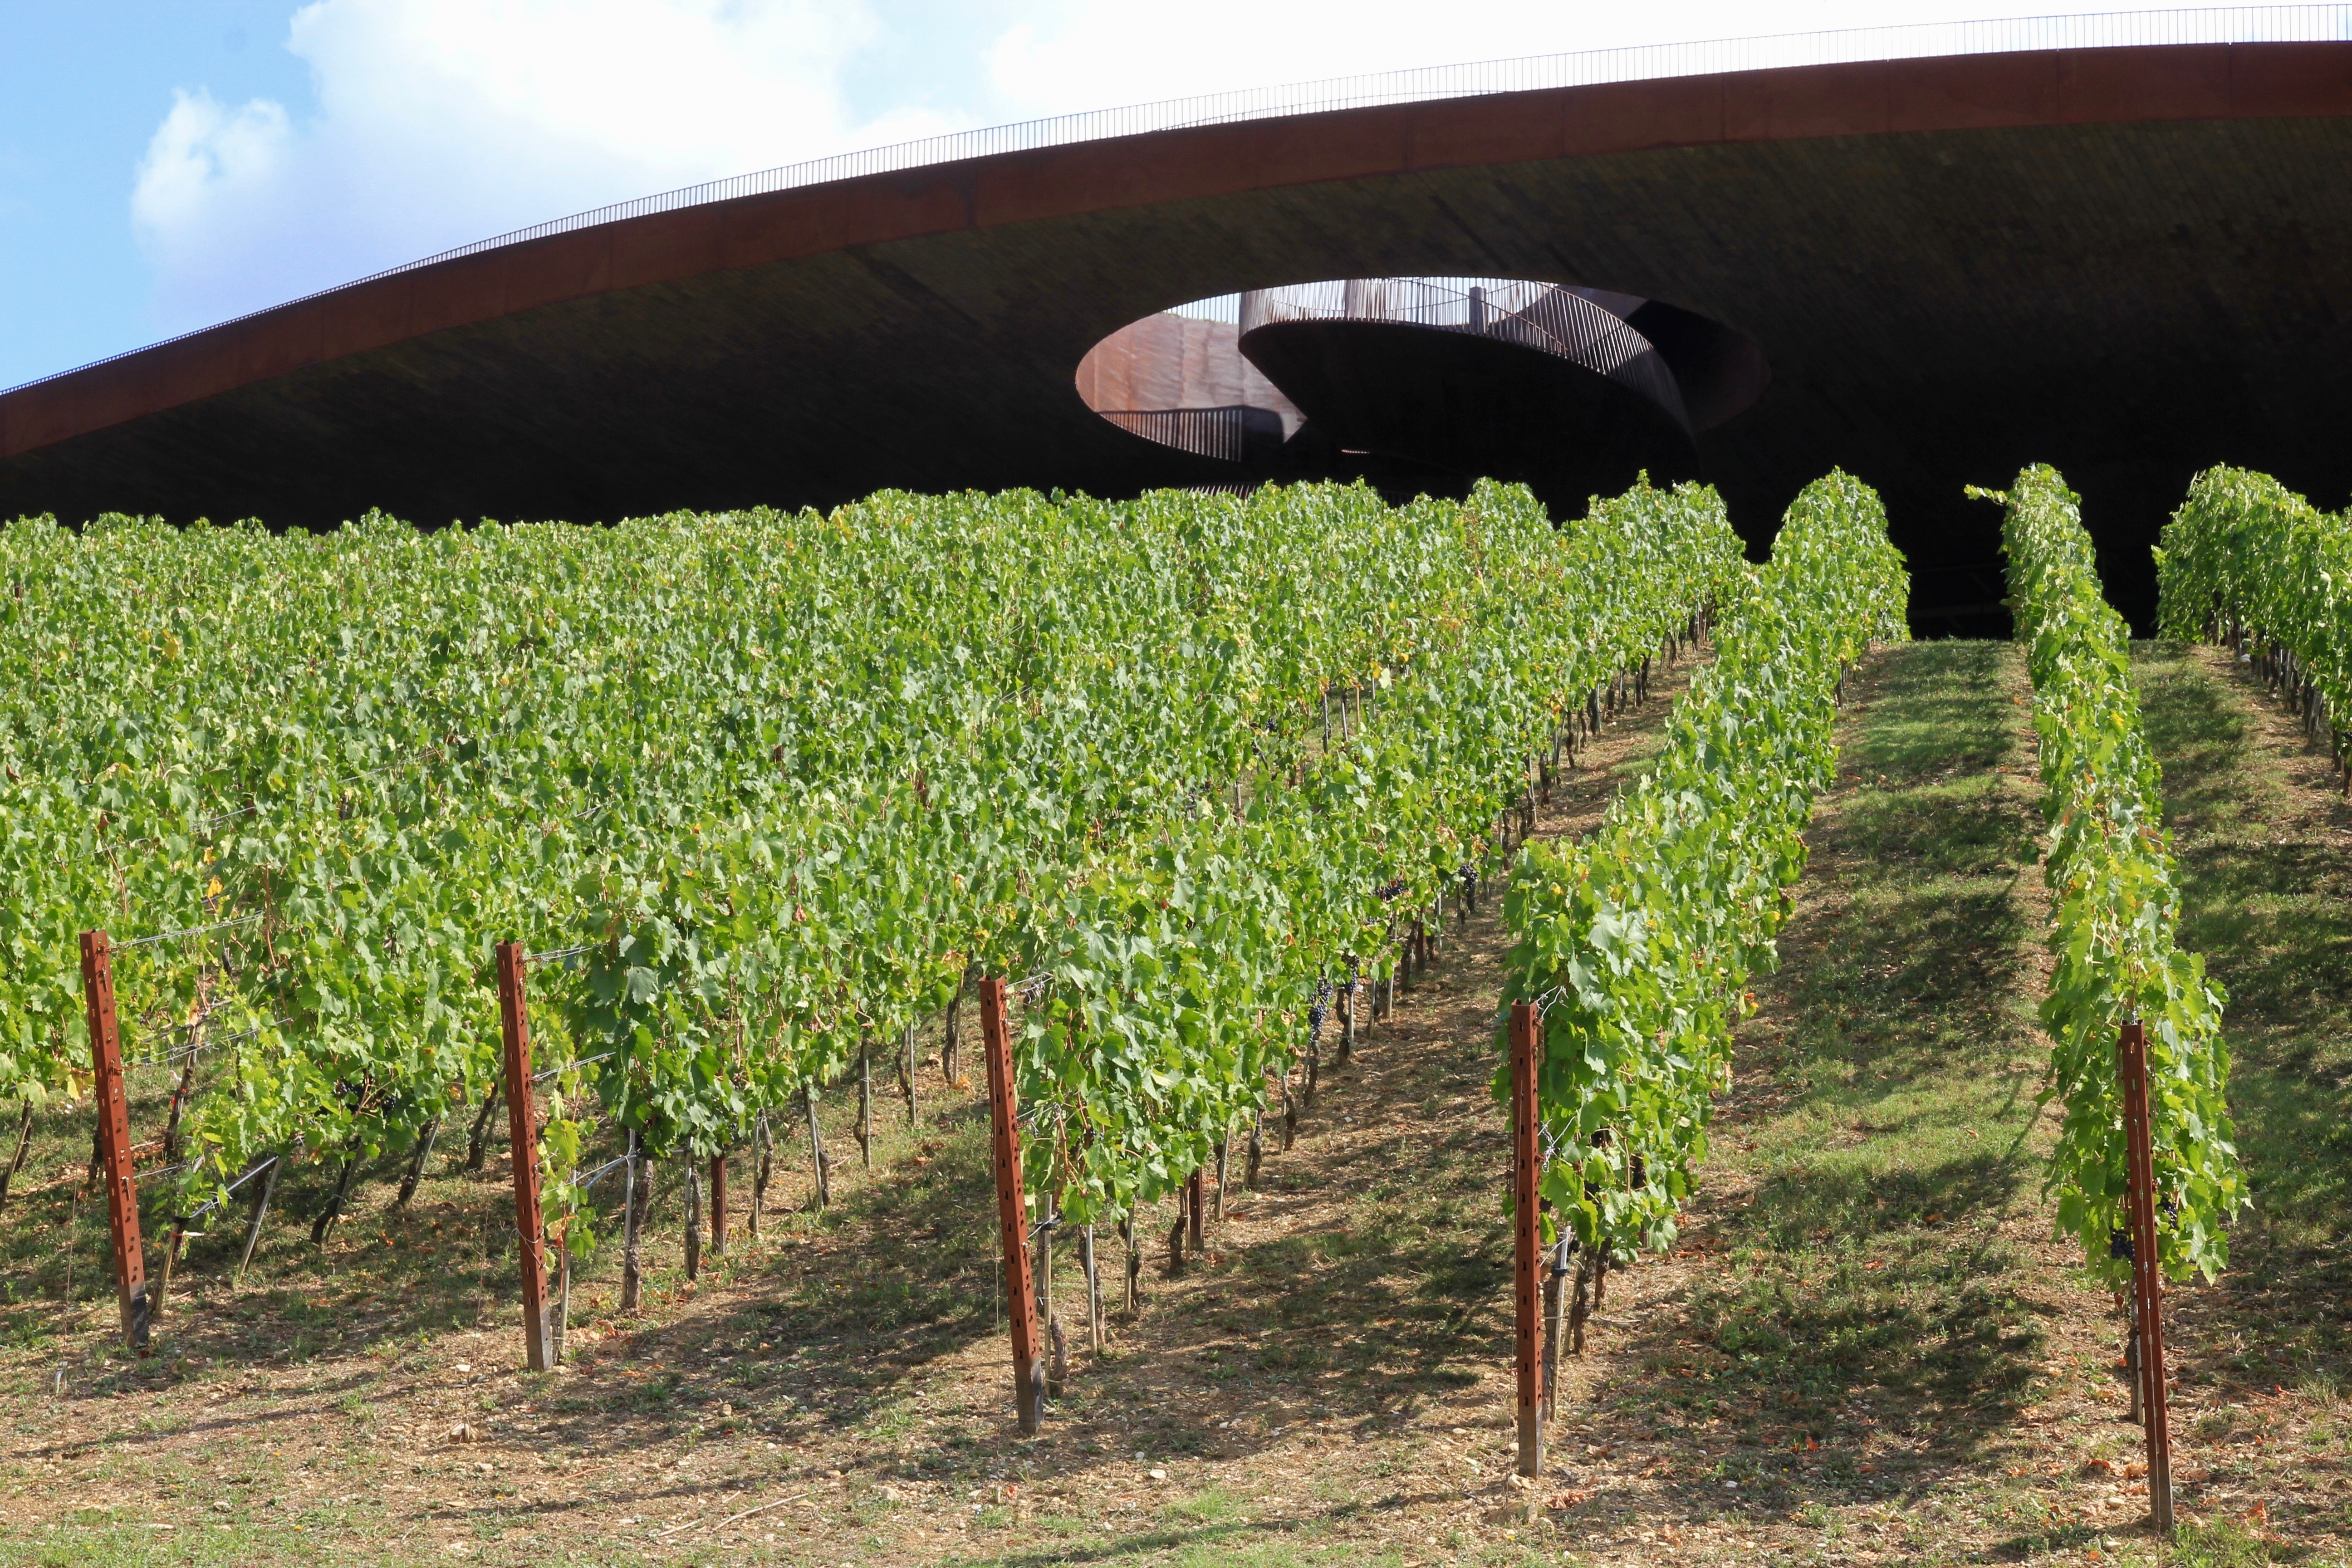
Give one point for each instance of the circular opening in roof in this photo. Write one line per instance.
(1427, 382)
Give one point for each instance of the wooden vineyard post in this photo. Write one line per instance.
(1012, 1213)
(522, 1131)
(2148, 1272)
(1527, 1239)
(114, 1138)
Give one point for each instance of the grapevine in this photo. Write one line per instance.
(2110, 864)
(2247, 560)
(1637, 942)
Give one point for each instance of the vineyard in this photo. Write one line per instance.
(757, 794)
(698, 853)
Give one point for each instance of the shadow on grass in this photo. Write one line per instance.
(2266, 896)
(1942, 709)
(1371, 1314)
(1858, 1201)
(897, 1273)
(1423, 1262)
(841, 1314)
(1222, 1546)
(385, 1273)
(1892, 1066)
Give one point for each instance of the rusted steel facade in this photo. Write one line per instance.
(2130, 262)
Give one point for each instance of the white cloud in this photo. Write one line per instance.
(203, 149)
(440, 121)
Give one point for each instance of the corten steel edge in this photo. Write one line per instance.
(2131, 262)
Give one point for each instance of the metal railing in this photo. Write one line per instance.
(1232, 433)
(2113, 29)
(1546, 317)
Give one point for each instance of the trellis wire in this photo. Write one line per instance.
(178, 1054)
(211, 1204)
(184, 932)
(572, 1066)
(582, 1183)
(429, 754)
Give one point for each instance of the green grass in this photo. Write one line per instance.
(1888, 1108)
(2267, 897)
(2261, 835)
(2222, 1546)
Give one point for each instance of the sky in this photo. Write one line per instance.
(165, 164)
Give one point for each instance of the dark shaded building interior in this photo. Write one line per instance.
(1424, 385)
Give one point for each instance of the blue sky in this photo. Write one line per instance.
(169, 164)
(82, 87)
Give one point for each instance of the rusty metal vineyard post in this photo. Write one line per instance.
(1011, 1213)
(523, 1129)
(114, 1138)
(2148, 1273)
(1528, 1236)
(718, 1205)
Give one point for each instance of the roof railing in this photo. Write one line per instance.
(1546, 317)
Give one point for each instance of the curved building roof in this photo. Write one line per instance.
(2130, 261)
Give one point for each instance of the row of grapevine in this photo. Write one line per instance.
(1637, 942)
(2249, 561)
(2110, 865)
(1246, 917)
(777, 786)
